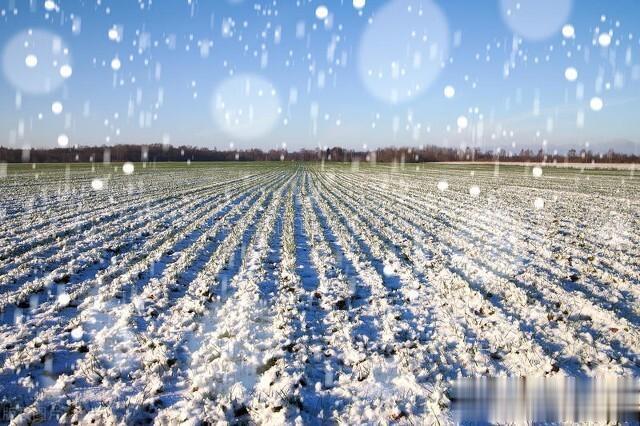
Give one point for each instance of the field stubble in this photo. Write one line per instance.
(275, 292)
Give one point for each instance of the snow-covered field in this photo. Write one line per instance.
(306, 293)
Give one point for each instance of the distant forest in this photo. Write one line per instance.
(162, 153)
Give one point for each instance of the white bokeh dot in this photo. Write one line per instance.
(359, 4)
(31, 61)
(128, 168)
(77, 333)
(443, 185)
(568, 31)
(596, 103)
(322, 12)
(415, 36)
(246, 106)
(113, 34)
(449, 92)
(35, 61)
(64, 299)
(571, 74)
(462, 122)
(63, 140)
(388, 271)
(49, 5)
(604, 39)
(115, 64)
(66, 71)
(56, 108)
(97, 184)
(535, 20)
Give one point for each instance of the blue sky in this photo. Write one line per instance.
(273, 73)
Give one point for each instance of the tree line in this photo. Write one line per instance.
(164, 153)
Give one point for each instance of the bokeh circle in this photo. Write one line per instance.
(246, 106)
(535, 20)
(403, 49)
(36, 61)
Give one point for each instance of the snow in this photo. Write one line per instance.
(538, 203)
(77, 333)
(64, 299)
(287, 293)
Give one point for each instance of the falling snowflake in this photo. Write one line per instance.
(359, 4)
(56, 108)
(571, 74)
(449, 92)
(97, 184)
(322, 12)
(568, 31)
(63, 140)
(537, 171)
(128, 168)
(604, 39)
(115, 64)
(77, 333)
(66, 71)
(31, 61)
(596, 103)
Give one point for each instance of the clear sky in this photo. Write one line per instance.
(352, 73)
